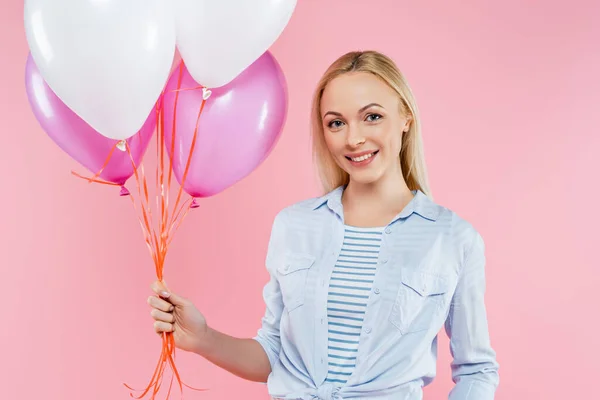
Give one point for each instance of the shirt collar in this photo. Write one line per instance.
(420, 204)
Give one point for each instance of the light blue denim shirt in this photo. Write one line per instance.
(430, 274)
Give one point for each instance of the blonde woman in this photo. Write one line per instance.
(363, 278)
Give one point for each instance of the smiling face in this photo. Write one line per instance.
(363, 125)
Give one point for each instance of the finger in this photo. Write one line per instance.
(160, 326)
(158, 286)
(160, 304)
(162, 290)
(173, 298)
(162, 316)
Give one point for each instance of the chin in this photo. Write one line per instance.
(365, 178)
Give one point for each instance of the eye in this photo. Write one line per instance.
(335, 124)
(373, 117)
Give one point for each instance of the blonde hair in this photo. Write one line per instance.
(411, 155)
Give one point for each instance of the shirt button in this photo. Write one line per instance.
(287, 266)
(384, 261)
(376, 290)
(368, 329)
(388, 230)
(322, 321)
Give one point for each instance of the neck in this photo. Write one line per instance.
(390, 193)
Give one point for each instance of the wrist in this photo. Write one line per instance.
(204, 344)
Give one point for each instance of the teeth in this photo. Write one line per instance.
(362, 158)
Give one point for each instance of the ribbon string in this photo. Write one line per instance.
(168, 221)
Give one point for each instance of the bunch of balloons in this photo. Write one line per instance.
(105, 76)
(98, 70)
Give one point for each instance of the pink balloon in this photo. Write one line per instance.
(77, 138)
(239, 126)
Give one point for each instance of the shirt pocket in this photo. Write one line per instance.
(419, 301)
(293, 274)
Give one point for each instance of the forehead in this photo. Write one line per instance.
(351, 91)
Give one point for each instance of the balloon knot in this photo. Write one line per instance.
(124, 191)
(194, 204)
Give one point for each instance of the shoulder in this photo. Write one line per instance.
(295, 227)
(305, 217)
(463, 233)
(447, 218)
(307, 207)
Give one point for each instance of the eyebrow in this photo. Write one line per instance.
(359, 111)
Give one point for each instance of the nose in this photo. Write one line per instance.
(354, 137)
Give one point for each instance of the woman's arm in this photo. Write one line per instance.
(245, 358)
(254, 358)
(474, 366)
(251, 359)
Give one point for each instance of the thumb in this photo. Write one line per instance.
(172, 298)
(159, 286)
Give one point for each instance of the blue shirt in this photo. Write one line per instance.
(430, 274)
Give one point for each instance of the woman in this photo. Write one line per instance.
(363, 278)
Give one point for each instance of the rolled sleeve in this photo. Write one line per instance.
(474, 365)
(268, 334)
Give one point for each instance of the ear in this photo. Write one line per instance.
(407, 124)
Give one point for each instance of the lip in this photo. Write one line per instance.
(364, 162)
(362, 153)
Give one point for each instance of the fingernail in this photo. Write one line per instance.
(164, 294)
(171, 308)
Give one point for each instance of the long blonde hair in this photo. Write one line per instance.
(412, 159)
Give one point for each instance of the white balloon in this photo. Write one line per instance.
(219, 39)
(107, 60)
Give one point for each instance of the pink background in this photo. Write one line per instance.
(509, 94)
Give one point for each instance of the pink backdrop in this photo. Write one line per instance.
(508, 93)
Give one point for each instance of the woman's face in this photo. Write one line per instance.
(363, 126)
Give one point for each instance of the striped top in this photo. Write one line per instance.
(349, 288)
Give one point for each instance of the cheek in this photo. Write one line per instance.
(327, 138)
(396, 143)
(384, 137)
(391, 139)
(332, 141)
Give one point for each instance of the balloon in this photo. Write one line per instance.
(107, 60)
(239, 126)
(219, 39)
(77, 138)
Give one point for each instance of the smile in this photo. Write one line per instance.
(363, 159)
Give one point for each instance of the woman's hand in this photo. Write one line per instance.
(173, 313)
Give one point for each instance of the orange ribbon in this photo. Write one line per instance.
(158, 241)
